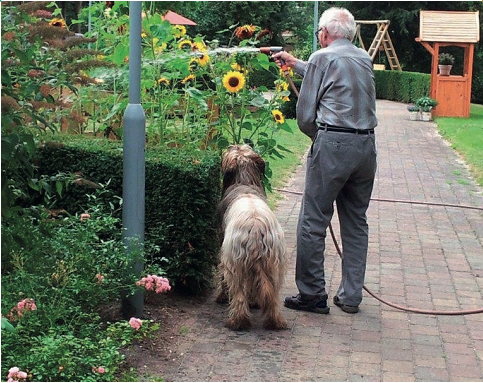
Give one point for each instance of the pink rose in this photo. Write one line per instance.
(101, 370)
(100, 278)
(135, 323)
(84, 216)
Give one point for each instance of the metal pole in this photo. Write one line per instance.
(89, 24)
(316, 25)
(133, 211)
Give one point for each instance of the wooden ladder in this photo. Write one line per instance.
(382, 37)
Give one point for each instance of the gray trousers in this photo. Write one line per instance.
(341, 167)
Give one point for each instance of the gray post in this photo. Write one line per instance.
(316, 25)
(134, 162)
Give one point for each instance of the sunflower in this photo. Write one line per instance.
(188, 79)
(193, 64)
(290, 72)
(245, 31)
(185, 44)
(233, 81)
(57, 23)
(161, 48)
(237, 67)
(278, 116)
(179, 31)
(203, 59)
(199, 46)
(282, 86)
(163, 80)
(285, 98)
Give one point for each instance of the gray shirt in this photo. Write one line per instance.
(338, 89)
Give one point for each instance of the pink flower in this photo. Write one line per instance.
(100, 278)
(14, 374)
(154, 283)
(17, 311)
(84, 216)
(135, 323)
(101, 370)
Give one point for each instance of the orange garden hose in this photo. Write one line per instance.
(382, 300)
(339, 251)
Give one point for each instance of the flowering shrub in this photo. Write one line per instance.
(23, 306)
(68, 268)
(154, 283)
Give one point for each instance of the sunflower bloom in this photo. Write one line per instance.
(290, 72)
(278, 116)
(193, 64)
(57, 23)
(199, 46)
(245, 31)
(237, 67)
(161, 48)
(188, 79)
(185, 44)
(163, 80)
(285, 98)
(282, 86)
(233, 81)
(204, 59)
(179, 31)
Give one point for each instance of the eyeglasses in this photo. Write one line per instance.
(317, 31)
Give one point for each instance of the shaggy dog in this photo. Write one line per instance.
(253, 253)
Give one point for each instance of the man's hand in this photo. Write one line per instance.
(281, 57)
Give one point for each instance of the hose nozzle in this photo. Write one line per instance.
(270, 51)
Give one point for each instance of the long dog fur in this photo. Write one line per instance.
(253, 251)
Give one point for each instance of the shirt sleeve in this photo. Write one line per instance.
(300, 67)
(309, 97)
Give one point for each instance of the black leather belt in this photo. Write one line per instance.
(332, 128)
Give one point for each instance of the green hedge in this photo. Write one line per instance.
(401, 86)
(182, 190)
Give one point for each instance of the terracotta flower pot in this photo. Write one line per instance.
(444, 70)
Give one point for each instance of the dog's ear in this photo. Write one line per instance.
(260, 163)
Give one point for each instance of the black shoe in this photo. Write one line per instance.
(314, 306)
(345, 308)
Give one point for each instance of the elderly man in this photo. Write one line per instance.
(337, 110)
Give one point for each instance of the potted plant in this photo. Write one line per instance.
(445, 61)
(425, 105)
(414, 113)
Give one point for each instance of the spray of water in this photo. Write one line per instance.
(167, 57)
(210, 52)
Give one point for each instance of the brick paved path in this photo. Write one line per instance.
(426, 257)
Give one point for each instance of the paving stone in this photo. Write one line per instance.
(420, 256)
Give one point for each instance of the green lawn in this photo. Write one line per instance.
(466, 137)
(282, 169)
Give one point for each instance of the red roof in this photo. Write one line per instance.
(174, 18)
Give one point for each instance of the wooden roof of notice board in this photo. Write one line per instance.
(447, 26)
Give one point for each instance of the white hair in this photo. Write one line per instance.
(339, 23)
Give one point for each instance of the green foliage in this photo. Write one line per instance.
(445, 59)
(401, 86)
(69, 267)
(276, 16)
(182, 190)
(425, 103)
